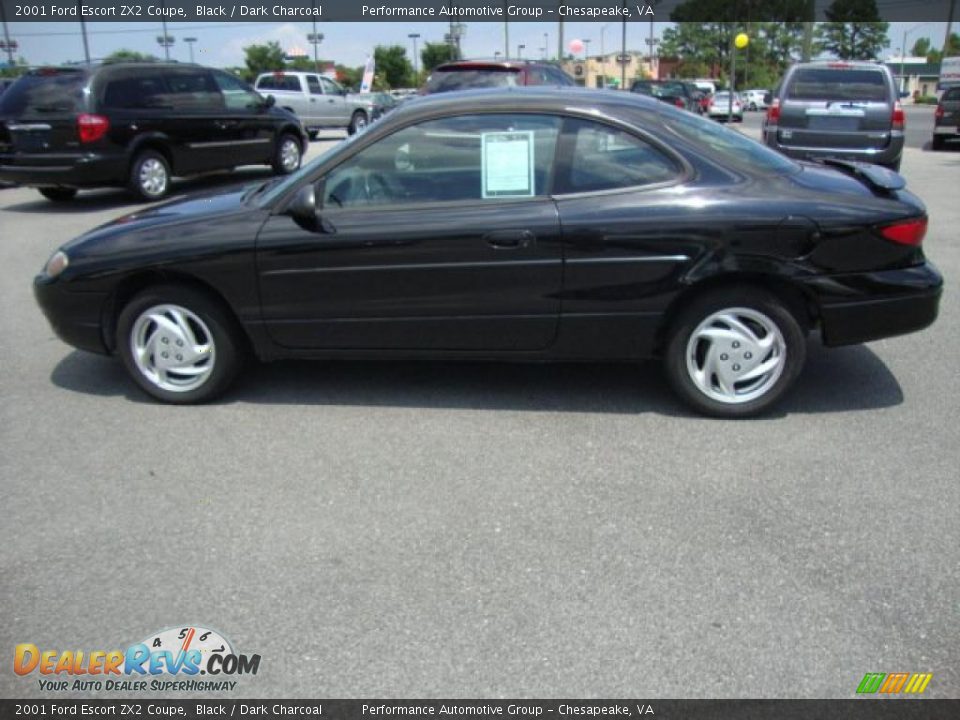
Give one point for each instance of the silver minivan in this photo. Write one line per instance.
(839, 109)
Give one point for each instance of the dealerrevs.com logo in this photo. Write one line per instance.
(183, 653)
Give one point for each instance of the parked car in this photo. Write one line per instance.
(754, 100)
(720, 107)
(385, 101)
(473, 74)
(837, 109)
(137, 125)
(946, 123)
(683, 95)
(534, 224)
(318, 101)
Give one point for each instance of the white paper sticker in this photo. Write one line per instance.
(508, 164)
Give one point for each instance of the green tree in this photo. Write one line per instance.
(953, 48)
(393, 68)
(350, 77)
(263, 58)
(921, 48)
(434, 54)
(854, 30)
(124, 55)
(305, 64)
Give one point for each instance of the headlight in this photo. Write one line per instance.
(56, 264)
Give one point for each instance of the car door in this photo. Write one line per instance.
(246, 120)
(200, 137)
(322, 109)
(339, 106)
(440, 236)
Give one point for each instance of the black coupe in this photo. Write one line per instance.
(511, 224)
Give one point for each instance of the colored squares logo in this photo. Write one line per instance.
(894, 683)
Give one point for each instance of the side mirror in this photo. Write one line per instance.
(768, 98)
(269, 101)
(303, 207)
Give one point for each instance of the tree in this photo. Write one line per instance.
(953, 48)
(392, 65)
(350, 77)
(434, 54)
(263, 58)
(124, 55)
(921, 48)
(854, 30)
(305, 64)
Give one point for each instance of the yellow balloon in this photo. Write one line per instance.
(741, 41)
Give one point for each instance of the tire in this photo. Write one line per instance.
(287, 155)
(753, 107)
(937, 143)
(312, 134)
(735, 332)
(149, 176)
(195, 321)
(58, 194)
(357, 123)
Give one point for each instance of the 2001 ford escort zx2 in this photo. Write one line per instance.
(520, 224)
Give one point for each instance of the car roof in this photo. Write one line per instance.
(537, 98)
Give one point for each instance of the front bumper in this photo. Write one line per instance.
(862, 307)
(74, 316)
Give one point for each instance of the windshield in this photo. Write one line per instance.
(45, 91)
(273, 191)
(446, 80)
(729, 145)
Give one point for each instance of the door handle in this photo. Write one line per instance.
(510, 239)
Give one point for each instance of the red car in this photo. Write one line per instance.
(472, 74)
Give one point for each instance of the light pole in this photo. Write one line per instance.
(586, 49)
(7, 45)
(546, 45)
(623, 50)
(653, 42)
(315, 39)
(603, 57)
(497, 54)
(83, 34)
(190, 41)
(416, 64)
(520, 51)
(903, 52)
(166, 42)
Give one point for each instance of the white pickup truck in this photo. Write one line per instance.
(318, 101)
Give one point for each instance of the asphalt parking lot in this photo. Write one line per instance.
(406, 529)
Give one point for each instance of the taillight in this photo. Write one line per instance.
(773, 112)
(91, 127)
(938, 113)
(909, 232)
(898, 118)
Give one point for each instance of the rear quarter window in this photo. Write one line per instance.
(837, 84)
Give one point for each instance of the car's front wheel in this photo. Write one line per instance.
(734, 352)
(178, 344)
(357, 123)
(288, 155)
(149, 176)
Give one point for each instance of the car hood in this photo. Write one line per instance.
(218, 218)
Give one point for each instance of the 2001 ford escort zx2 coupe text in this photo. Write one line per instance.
(516, 225)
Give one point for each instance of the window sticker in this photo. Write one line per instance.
(507, 164)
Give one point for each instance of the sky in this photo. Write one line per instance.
(221, 44)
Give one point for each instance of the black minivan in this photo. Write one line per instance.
(137, 125)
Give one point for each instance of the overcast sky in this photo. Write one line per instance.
(221, 44)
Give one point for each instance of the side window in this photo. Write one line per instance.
(266, 83)
(237, 95)
(330, 87)
(136, 92)
(194, 90)
(605, 158)
(480, 158)
(313, 85)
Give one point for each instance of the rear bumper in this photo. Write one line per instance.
(74, 316)
(79, 170)
(880, 155)
(870, 306)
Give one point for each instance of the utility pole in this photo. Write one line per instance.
(807, 51)
(546, 45)
(946, 38)
(520, 51)
(623, 50)
(603, 57)
(166, 41)
(506, 34)
(83, 33)
(7, 45)
(560, 36)
(190, 41)
(416, 64)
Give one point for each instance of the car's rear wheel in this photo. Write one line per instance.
(288, 155)
(58, 194)
(178, 344)
(149, 176)
(938, 142)
(357, 123)
(734, 352)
